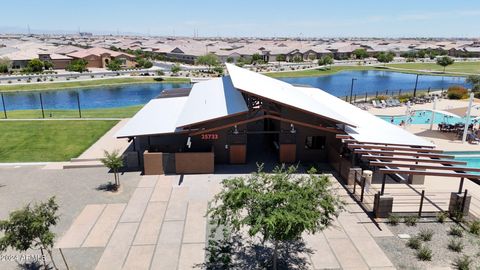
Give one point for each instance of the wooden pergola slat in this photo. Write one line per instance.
(423, 160)
(383, 147)
(431, 173)
(423, 166)
(398, 153)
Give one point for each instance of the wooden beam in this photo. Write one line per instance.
(383, 147)
(423, 160)
(398, 144)
(343, 136)
(415, 172)
(423, 166)
(265, 117)
(397, 153)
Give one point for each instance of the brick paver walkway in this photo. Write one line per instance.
(163, 226)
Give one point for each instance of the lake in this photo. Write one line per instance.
(127, 95)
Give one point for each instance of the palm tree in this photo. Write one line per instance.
(114, 162)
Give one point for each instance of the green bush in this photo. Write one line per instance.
(442, 216)
(455, 245)
(457, 92)
(424, 254)
(426, 234)
(410, 220)
(393, 219)
(474, 227)
(477, 95)
(463, 263)
(456, 230)
(414, 243)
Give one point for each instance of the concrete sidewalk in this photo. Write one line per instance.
(163, 226)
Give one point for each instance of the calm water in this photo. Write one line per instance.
(422, 117)
(472, 158)
(372, 81)
(117, 96)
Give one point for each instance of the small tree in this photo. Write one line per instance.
(114, 161)
(5, 64)
(475, 81)
(281, 58)
(35, 65)
(48, 65)
(385, 57)
(278, 206)
(175, 69)
(230, 59)
(210, 60)
(360, 53)
(29, 227)
(445, 61)
(114, 65)
(325, 60)
(77, 65)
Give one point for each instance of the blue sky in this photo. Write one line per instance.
(292, 18)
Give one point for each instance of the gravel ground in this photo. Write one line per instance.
(405, 258)
(73, 188)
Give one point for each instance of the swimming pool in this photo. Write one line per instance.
(471, 157)
(422, 117)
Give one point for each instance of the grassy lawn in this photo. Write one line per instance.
(461, 67)
(120, 112)
(87, 83)
(31, 141)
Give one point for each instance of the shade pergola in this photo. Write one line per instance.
(393, 159)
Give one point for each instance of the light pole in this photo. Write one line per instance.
(351, 89)
(415, 89)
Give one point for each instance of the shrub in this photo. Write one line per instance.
(410, 220)
(424, 254)
(462, 263)
(9, 81)
(456, 230)
(414, 243)
(442, 216)
(477, 95)
(426, 234)
(455, 245)
(393, 219)
(457, 92)
(475, 227)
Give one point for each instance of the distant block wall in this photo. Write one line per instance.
(197, 162)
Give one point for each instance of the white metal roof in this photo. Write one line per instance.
(281, 92)
(369, 128)
(210, 100)
(158, 116)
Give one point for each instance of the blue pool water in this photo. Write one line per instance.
(471, 157)
(422, 117)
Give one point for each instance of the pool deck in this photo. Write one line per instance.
(442, 104)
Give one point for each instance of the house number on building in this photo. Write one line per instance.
(210, 136)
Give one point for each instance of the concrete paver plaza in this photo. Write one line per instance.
(163, 226)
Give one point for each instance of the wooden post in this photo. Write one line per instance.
(464, 200)
(383, 184)
(461, 186)
(363, 189)
(421, 203)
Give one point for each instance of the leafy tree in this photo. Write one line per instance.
(257, 58)
(475, 81)
(312, 56)
(5, 64)
(230, 59)
(325, 60)
(445, 61)
(35, 65)
(175, 69)
(281, 58)
(209, 60)
(114, 65)
(114, 161)
(47, 65)
(29, 227)
(218, 69)
(385, 57)
(277, 206)
(297, 59)
(360, 53)
(77, 65)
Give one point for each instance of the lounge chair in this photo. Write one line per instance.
(375, 104)
(384, 104)
(397, 102)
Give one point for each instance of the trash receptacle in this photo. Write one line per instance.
(367, 174)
